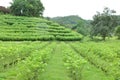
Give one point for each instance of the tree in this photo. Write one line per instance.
(104, 23)
(118, 32)
(27, 8)
(4, 10)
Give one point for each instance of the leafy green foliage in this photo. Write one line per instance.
(31, 66)
(102, 55)
(27, 8)
(104, 23)
(73, 62)
(16, 52)
(38, 60)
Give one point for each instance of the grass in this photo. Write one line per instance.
(90, 72)
(55, 69)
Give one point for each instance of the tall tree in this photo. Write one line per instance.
(27, 8)
(104, 23)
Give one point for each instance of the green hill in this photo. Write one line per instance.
(74, 22)
(14, 28)
(68, 21)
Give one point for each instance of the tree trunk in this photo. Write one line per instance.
(104, 37)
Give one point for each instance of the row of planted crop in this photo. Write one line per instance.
(10, 18)
(35, 32)
(38, 29)
(40, 37)
(24, 33)
(13, 52)
(31, 67)
(39, 26)
(100, 55)
(26, 38)
(73, 62)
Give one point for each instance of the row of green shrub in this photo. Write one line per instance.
(68, 38)
(31, 38)
(16, 28)
(40, 38)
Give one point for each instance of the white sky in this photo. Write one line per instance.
(84, 8)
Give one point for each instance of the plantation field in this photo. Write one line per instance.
(14, 28)
(38, 49)
(54, 60)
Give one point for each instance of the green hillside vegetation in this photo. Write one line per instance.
(83, 27)
(75, 23)
(68, 21)
(14, 28)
